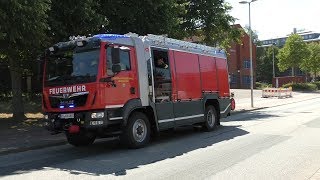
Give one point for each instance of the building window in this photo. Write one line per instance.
(246, 64)
(246, 79)
(233, 79)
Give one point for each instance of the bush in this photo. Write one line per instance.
(301, 86)
(262, 85)
(317, 83)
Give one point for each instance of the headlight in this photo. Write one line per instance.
(97, 115)
(46, 117)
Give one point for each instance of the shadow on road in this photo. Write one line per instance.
(108, 158)
(250, 116)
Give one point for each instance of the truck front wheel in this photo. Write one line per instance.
(137, 132)
(80, 139)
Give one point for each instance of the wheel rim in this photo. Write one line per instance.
(210, 118)
(139, 130)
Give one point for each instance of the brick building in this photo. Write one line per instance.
(239, 63)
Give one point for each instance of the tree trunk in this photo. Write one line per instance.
(292, 71)
(17, 103)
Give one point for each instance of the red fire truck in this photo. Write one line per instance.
(132, 86)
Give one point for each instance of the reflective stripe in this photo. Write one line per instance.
(166, 120)
(114, 106)
(180, 118)
(115, 118)
(222, 112)
(189, 117)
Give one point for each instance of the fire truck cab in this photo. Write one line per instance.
(132, 86)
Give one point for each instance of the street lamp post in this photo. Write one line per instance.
(273, 70)
(250, 32)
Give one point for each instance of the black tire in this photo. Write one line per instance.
(211, 118)
(137, 132)
(80, 139)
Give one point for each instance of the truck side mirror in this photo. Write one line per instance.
(116, 68)
(115, 54)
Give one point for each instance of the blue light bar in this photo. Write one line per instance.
(61, 106)
(110, 36)
(71, 106)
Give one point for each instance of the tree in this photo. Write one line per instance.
(74, 17)
(22, 32)
(294, 52)
(312, 63)
(210, 20)
(265, 63)
(143, 16)
(255, 37)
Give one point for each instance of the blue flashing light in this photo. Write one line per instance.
(110, 36)
(61, 106)
(71, 106)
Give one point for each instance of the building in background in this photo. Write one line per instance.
(308, 36)
(239, 62)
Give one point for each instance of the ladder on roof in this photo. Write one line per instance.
(164, 41)
(184, 45)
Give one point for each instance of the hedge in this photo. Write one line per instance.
(302, 86)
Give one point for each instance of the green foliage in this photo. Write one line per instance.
(312, 63)
(265, 65)
(22, 36)
(209, 19)
(294, 52)
(74, 17)
(255, 37)
(301, 86)
(261, 85)
(143, 16)
(317, 83)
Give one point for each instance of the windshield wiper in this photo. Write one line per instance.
(60, 78)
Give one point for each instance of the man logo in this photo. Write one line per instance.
(65, 96)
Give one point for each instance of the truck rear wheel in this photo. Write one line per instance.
(80, 139)
(137, 132)
(211, 118)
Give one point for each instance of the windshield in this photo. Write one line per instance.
(71, 67)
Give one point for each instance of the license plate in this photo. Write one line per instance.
(67, 116)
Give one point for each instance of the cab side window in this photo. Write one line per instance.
(125, 62)
(162, 76)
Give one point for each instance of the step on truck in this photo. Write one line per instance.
(131, 86)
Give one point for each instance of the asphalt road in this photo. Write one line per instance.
(275, 143)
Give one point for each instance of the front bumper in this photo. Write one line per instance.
(58, 122)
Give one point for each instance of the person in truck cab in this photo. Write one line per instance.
(161, 64)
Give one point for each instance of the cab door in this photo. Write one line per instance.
(162, 70)
(124, 85)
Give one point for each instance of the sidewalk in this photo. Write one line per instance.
(31, 135)
(243, 100)
(26, 136)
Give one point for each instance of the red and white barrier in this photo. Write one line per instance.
(277, 92)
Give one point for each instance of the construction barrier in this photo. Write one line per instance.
(277, 92)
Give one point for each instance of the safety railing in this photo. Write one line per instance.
(277, 92)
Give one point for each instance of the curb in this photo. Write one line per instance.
(35, 147)
(248, 110)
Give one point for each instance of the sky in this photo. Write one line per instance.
(277, 18)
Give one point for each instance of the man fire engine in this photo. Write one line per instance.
(114, 85)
